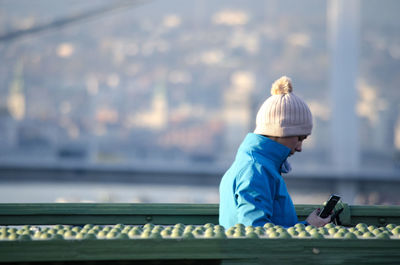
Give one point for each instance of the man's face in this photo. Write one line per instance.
(292, 142)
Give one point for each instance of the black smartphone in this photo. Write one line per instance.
(333, 200)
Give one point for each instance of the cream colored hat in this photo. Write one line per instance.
(283, 114)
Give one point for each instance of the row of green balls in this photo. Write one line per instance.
(269, 230)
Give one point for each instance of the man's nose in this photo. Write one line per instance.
(298, 147)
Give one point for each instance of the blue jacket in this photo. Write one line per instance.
(252, 191)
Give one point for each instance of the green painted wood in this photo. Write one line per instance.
(107, 208)
(106, 219)
(261, 251)
(104, 213)
(111, 213)
(375, 215)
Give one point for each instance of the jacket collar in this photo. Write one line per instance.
(273, 151)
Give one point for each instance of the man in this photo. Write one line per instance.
(252, 191)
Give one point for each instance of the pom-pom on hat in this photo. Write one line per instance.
(283, 113)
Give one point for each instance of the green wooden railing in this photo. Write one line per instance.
(127, 213)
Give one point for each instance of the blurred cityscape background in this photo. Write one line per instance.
(148, 101)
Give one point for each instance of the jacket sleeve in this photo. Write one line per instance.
(254, 194)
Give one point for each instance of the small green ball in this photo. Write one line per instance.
(396, 230)
(155, 235)
(281, 230)
(177, 231)
(57, 237)
(309, 228)
(188, 235)
(165, 233)
(106, 229)
(249, 229)
(300, 226)
(312, 231)
(273, 235)
(101, 234)
(12, 230)
(209, 233)
(189, 228)
(390, 226)
(179, 226)
(323, 231)
(24, 237)
(128, 227)
(383, 229)
(329, 225)
(26, 227)
(76, 229)
(220, 235)
(13, 236)
(304, 234)
(119, 226)
(350, 235)
(229, 232)
(361, 225)
(251, 234)
(240, 226)
(198, 232)
(208, 225)
(90, 236)
(332, 231)
(358, 233)
(122, 236)
(111, 235)
(200, 228)
(157, 229)
(52, 231)
(368, 235)
(260, 232)
(339, 235)
(317, 235)
(88, 226)
(363, 230)
(285, 235)
(376, 231)
(148, 226)
(46, 236)
(268, 225)
(146, 234)
(239, 233)
(27, 232)
(175, 234)
(80, 235)
(36, 235)
(113, 230)
(383, 235)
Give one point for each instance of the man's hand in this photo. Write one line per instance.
(315, 220)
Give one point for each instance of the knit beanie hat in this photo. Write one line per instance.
(283, 114)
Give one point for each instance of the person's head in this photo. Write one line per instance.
(284, 117)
